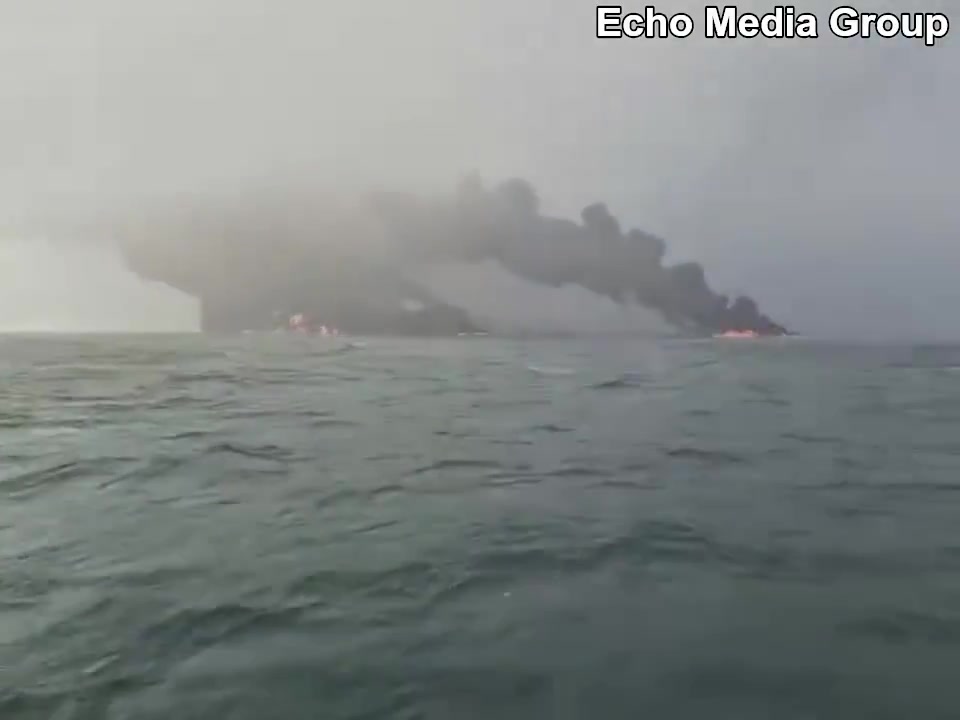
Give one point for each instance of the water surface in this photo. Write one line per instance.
(276, 527)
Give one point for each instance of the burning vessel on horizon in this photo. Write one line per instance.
(354, 265)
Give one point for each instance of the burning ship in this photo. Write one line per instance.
(355, 265)
(738, 334)
(301, 323)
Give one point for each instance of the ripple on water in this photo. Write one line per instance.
(223, 528)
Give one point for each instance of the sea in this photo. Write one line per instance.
(273, 526)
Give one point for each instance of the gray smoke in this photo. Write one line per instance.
(505, 224)
(84, 288)
(815, 175)
(506, 303)
(262, 253)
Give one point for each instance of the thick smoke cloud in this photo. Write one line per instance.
(816, 176)
(505, 224)
(355, 264)
(508, 304)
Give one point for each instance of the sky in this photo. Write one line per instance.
(816, 175)
(103, 297)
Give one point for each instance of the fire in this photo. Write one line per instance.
(301, 323)
(738, 334)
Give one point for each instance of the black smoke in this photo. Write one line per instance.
(504, 223)
(252, 259)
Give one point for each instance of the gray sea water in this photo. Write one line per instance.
(281, 527)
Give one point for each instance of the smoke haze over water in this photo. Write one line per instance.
(816, 176)
(498, 299)
(61, 287)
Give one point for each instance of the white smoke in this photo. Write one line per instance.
(84, 288)
(506, 303)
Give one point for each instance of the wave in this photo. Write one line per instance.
(551, 371)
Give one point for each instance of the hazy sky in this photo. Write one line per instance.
(818, 175)
(59, 287)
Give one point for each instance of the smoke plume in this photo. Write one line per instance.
(357, 264)
(814, 175)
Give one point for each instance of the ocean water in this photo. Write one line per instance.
(281, 527)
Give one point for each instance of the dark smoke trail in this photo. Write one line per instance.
(505, 224)
(249, 261)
